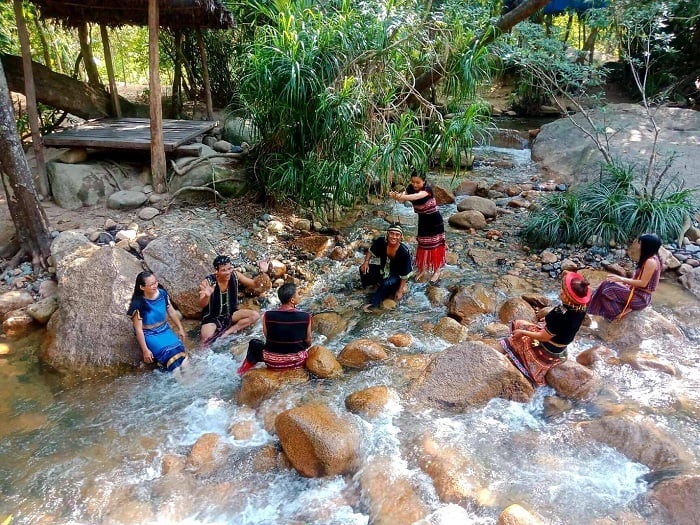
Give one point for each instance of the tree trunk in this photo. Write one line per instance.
(27, 214)
(88, 60)
(65, 93)
(176, 99)
(504, 24)
(110, 71)
(44, 44)
(158, 165)
(205, 75)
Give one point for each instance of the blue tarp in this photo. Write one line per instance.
(556, 7)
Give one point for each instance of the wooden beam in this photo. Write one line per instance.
(30, 94)
(110, 71)
(158, 165)
(205, 76)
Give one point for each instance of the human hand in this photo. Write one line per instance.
(147, 356)
(398, 295)
(364, 267)
(206, 288)
(614, 278)
(264, 265)
(181, 333)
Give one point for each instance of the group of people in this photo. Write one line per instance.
(534, 348)
(287, 330)
(395, 267)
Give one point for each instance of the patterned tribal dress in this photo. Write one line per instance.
(611, 298)
(430, 255)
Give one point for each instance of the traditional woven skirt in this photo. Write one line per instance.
(529, 356)
(430, 254)
(612, 299)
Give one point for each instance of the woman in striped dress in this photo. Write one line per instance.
(430, 255)
(617, 296)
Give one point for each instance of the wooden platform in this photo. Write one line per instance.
(128, 133)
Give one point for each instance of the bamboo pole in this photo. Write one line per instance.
(30, 94)
(110, 71)
(205, 76)
(158, 165)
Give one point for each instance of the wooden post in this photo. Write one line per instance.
(30, 94)
(205, 75)
(110, 71)
(158, 165)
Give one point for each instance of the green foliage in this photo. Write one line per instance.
(322, 85)
(610, 209)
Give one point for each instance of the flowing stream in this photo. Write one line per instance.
(92, 452)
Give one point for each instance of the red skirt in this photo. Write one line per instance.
(531, 359)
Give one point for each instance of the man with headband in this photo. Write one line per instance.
(393, 270)
(536, 348)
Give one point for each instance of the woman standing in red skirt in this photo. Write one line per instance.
(430, 255)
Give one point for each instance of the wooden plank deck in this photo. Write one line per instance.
(128, 133)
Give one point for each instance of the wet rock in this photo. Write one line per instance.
(470, 374)
(455, 477)
(437, 295)
(180, 260)
(261, 383)
(450, 330)
(536, 300)
(208, 453)
(517, 515)
(484, 206)
(516, 308)
(322, 363)
(467, 219)
(242, 430)
(14, 300)
(372, 401)
(442, 195)
(632, 330)
(496, 330)
(391, 494)
(512, 284)
(17, 324)
(330, 324)
(596, 354)
(680, 497)
(361, 353)
(467, 187)
(317, 441)
(317, 245)
(401, 340)
(573, 381)
(647, 362)
(467, 301)
(638, 438)
(172, 464)
(41, 311)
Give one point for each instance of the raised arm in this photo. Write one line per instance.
(648, 270)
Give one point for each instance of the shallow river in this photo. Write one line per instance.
(92, 452)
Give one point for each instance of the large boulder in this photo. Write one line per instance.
(90, 329)
(470, 374)
(487, 207)
(638, 438)
(680, 497)
(180, 259)
(635, 328)
(468, 301)
(222, 174)
(260, 384)
(361, 353)
(691, 281)
(317, 441)
(568, 155)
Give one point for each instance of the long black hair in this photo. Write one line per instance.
(141, 281)
(649, 244)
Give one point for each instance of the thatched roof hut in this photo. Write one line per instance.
(174, 14)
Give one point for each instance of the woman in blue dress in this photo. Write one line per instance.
(150, 310)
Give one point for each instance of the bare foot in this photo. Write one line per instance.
(435, 277)
(367, 308)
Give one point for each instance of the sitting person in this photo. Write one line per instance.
(218, 297)
(617, 296)
(536, 348)
(287, 334)
(393, 270)
(150, 310)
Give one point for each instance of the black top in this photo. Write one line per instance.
(400, 265)
(221, 304)
(286, 331)
(563, 323)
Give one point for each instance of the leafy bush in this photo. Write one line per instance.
(610, 209)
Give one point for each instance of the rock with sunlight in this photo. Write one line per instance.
(638, 438)
(468, 301)
(470, 374)
(465, 220)
(316, 245)
(14, 300)
(574, 381)
(450, 330)
(371, 402)
(680, 497)
(401, 340)
(322, 363)
(691, 280)
(635, 328)
(517, 515)
(260, 383)
(17, 323)
(208, 453)
(42, 310)
(486, 207)
(361, 353)
(317, 441)
(180, 260)
(391, 492)
(90, 328)
(516, 308)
